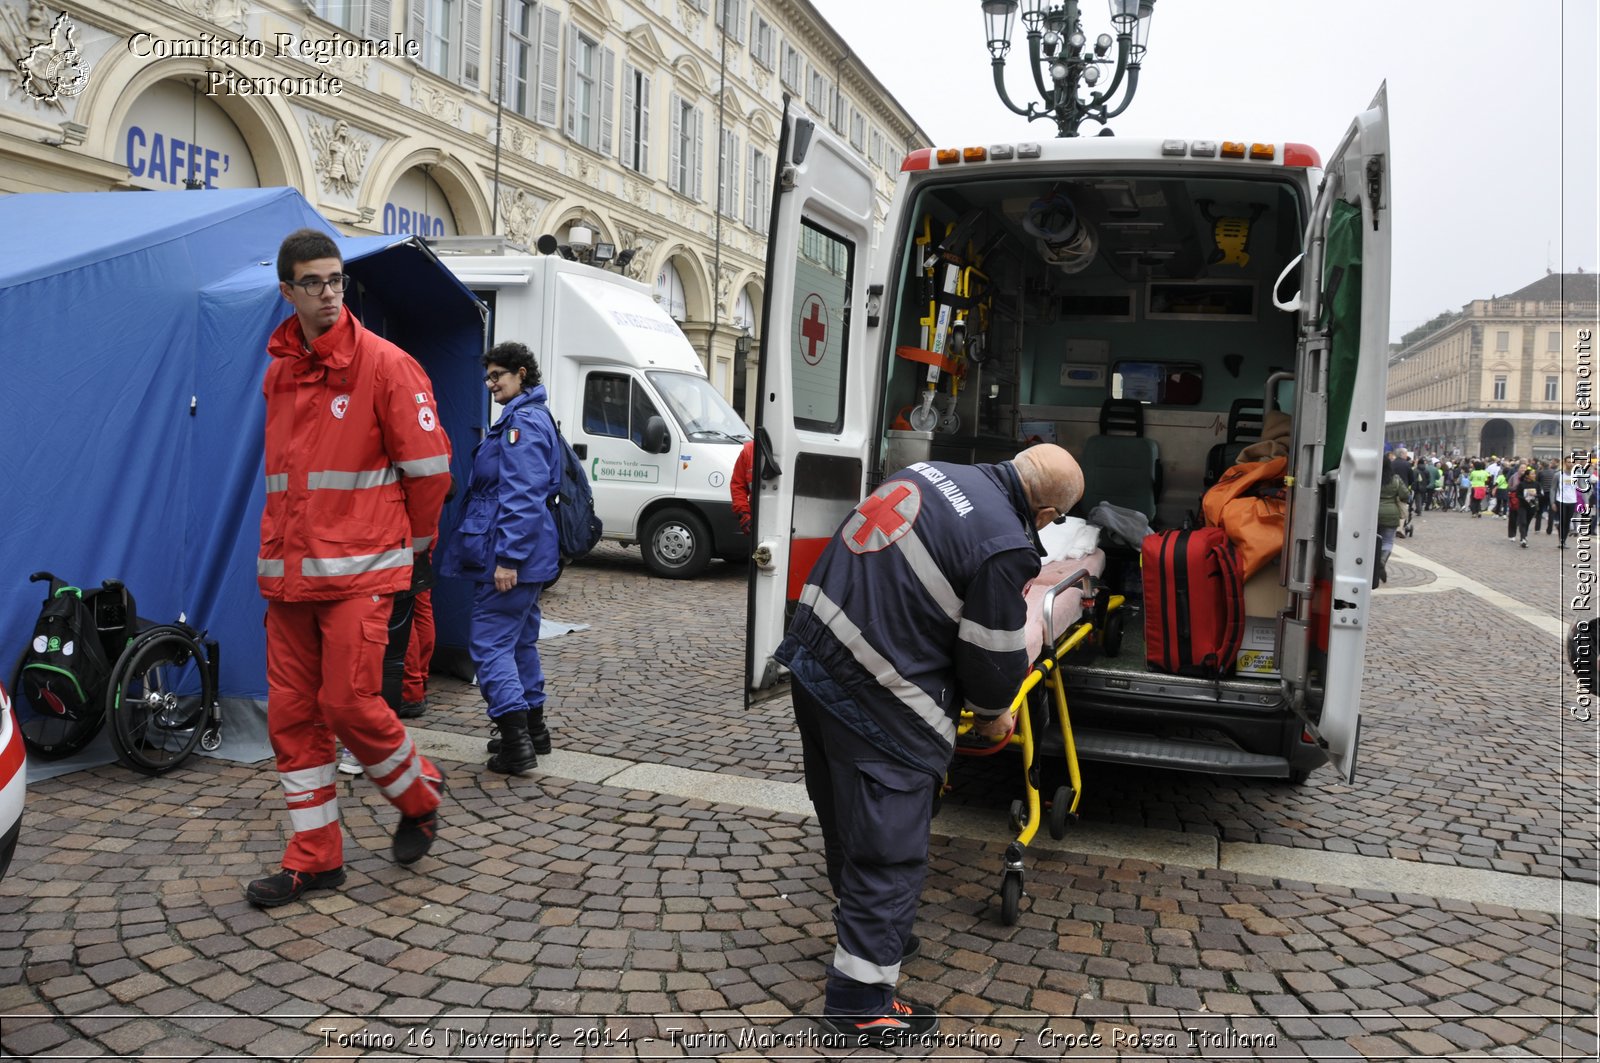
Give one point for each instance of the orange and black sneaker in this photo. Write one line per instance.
(903, 1023)
(287, 885)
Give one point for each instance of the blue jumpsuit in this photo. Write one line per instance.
(913, 612)
(506, 521)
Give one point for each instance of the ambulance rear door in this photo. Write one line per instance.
(1341, 381)
(815, 376)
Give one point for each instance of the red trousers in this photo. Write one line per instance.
(419, 651)
(324, 683)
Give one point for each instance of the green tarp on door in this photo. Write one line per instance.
(1341, 308)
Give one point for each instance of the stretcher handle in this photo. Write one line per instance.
(1050, 603)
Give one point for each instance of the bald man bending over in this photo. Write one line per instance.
(913, 612)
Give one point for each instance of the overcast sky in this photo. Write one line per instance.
(1490, 104)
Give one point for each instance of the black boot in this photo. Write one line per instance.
(537, 730)
(516, 754)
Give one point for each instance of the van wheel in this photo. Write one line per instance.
(676, 544)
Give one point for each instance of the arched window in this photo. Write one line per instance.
(669, 293)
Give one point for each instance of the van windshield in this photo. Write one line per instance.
(700, 409)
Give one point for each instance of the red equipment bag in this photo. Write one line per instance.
(1194, 602)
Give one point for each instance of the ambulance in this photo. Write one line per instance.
(628, 392)
(1154, 306)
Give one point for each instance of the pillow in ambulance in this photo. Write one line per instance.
(1073, 538)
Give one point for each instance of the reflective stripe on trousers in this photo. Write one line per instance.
(324, 668)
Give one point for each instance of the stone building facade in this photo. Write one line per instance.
(653, 124)
(1507, 373)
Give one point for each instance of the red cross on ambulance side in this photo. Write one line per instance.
(883, 517)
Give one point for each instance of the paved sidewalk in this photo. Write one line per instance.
(556, 914)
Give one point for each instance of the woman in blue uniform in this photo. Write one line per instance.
(506, 543)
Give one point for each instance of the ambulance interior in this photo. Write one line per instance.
(1154, 291)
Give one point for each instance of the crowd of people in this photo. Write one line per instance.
(1557, 496)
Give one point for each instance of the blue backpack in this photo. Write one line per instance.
(577, 527)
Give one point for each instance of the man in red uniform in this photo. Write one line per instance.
(741, 483)
(357, 468)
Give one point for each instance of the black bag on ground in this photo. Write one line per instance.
(65, 671)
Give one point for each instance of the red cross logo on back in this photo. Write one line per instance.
(883, 518)
(813, 329)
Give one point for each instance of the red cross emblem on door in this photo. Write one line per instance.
(884, 517)
(813, 329)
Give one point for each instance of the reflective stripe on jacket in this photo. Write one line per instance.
(357, 465)
(915, 607)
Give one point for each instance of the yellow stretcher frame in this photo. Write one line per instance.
(1047, 670)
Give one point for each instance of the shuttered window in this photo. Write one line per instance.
(591, 87)
(728, 165)
(757, 189)
(791, 67)
(817, 92)
(451, 35)
(730, 17)
(686, 148)
(635, 153)
(522, 56)
(367, 19)
(763, 40)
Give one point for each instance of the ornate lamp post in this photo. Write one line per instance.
(1061, 58)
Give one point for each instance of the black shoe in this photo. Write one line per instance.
(414, 835)
(911, 949)
(901, 1024)
(287, 885)
(516, 754)
(538, 731)
(410, 710)
(493, 745)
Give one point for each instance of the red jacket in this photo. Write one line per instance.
(739, 485)
(357, 465)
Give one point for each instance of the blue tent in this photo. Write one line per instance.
(134, 333)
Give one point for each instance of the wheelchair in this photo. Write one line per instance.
(161, 695)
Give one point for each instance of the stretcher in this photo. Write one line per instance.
(1068, 612)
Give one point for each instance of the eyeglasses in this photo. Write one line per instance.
(314, 285)
(1059, 518)
(493, 376)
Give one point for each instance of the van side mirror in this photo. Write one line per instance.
(657, 440)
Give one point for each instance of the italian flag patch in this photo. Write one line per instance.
(512, 435)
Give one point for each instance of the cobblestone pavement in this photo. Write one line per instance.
(554, 916)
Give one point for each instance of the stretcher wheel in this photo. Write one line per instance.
(1060, 811)
(1010, 898)
(1111, 639)
(1018, 819)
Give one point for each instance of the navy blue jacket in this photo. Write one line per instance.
(915, 608)
(506, 518)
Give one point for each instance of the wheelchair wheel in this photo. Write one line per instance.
(53, 726)
(158, 700)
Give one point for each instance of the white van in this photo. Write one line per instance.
(1121, 297)
(629, 393)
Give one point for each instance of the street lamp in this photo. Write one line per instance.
(1061, 58)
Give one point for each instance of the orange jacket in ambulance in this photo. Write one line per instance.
(357, 465)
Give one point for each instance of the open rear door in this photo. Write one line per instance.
(811, 413)
(1342, 379)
